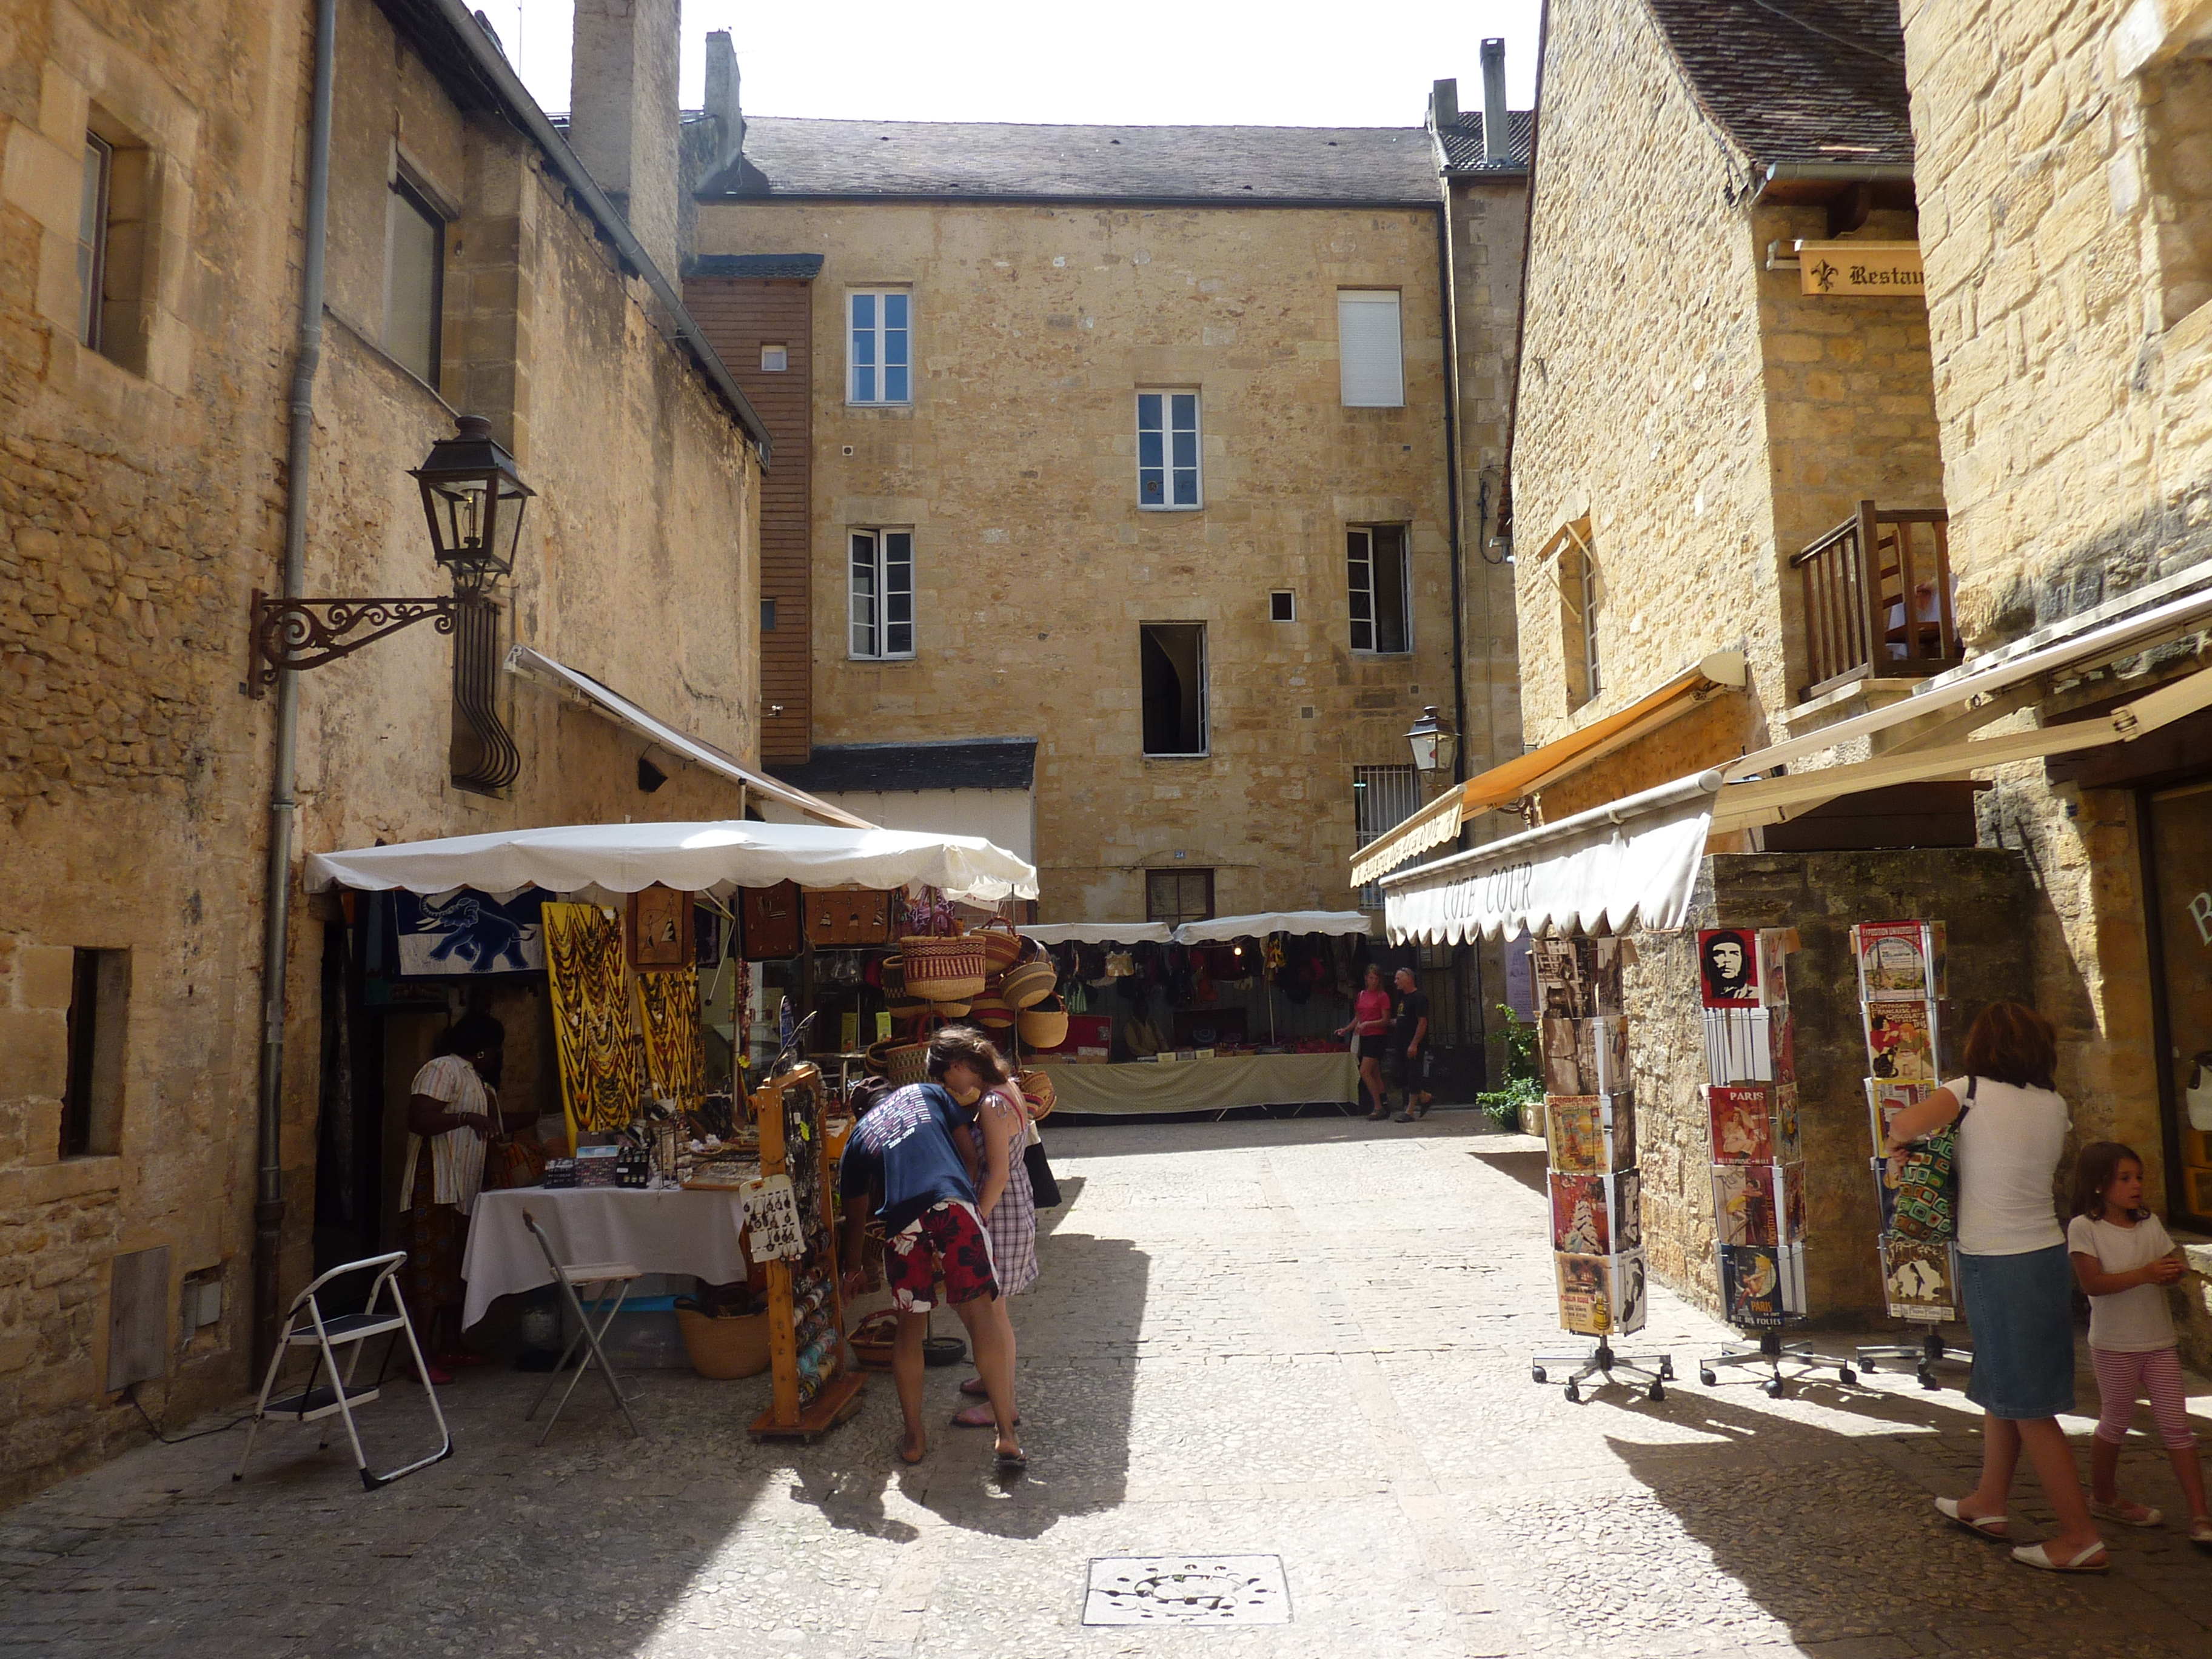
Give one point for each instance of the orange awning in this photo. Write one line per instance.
(1440, 820)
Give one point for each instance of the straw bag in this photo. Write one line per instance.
(723, 1348)
(1045, 1025)
(993, 1013)
(942, 970)
(957, 1009)
(900, 1062)
(1027, 983)
(1002, 946)
(1038, 1094)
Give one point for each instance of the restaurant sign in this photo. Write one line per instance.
(1833, 268)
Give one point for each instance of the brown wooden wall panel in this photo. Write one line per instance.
(739, 315)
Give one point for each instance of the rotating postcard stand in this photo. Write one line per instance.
(1758, 1172)
(1902, 984)
(1595, 1191)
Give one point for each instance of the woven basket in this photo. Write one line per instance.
(1002, 946)
(942, 970)
(955, 1009)
(1039, 1095)
(1028, 983)
(903, 1005)
(725, 1348)
(992, 1013)
(872, 1340)
(902, 1062)
(1045, 1025)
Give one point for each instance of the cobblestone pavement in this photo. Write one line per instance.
(1308, 1339)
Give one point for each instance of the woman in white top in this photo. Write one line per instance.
(2014, 1275)
(450, 1116)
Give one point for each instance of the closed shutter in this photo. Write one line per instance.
(1368, 347)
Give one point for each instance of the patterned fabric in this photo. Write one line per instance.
(457, 1157)
(1012, 1220)
(592, 1030)
(435, 1237)
(674, 1057)
(2123, 1379)
(947, 1242)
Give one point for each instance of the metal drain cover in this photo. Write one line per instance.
(1186, 1589)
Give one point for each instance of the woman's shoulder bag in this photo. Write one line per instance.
(1927, 1181)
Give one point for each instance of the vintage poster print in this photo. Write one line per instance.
(1582, 1218)
(1901, 1041)
(1579, 978)
(1586, 1296)
(1743, 1204)
(1899, 961)
(1884, 1100)
(1920, 1278)
(1762, 1287)
(1586, 1056)
(1728, 968)
(1590, 1134)
(1743, 1122)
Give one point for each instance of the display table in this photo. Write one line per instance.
(665, 1232)
(1206, 1086)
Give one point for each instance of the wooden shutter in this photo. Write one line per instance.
(1372, 358)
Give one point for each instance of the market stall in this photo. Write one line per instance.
(1230, 1011)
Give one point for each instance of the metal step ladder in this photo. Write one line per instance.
(305, 1326)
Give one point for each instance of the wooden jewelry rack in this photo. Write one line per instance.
(814, 1391)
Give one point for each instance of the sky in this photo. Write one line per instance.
(1292, 63)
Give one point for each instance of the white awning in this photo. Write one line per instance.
(694, 857)
(580, 688)
(1264, 922)
(1635, 861)
(1098, 933)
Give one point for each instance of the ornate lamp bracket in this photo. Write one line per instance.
(303, 634)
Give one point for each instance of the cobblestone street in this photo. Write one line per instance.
(1308, 1339)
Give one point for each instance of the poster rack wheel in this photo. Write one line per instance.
(1537, 1371)
(1658, 1390)
(1707, 1376)
(1773, 1387)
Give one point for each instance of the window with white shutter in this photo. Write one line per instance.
(1371, 354)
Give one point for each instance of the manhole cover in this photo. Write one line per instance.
(1186, 1589)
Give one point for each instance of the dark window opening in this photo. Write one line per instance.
(768, 615)
(92, 1098)
(1176, 896)
(1375, 559)
(414, 276)
(1282, 605)
(1173, 663)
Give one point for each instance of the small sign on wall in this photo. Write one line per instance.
(1825, 270)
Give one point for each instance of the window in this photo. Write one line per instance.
(768, 615)
(92, 1099)
(775, 359)
(883, 593)
(1172, 661)
(1375, 559)
(92, 236)
(1581, 604)
(1176, 896)
(1167, 450)
(1371, 360)
(881, 357)
(1382, 797)
(413, 282)
(1282, 605)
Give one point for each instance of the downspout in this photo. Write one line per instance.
(276, 902)
(1451, 330)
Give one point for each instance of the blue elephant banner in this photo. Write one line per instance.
(458, 935)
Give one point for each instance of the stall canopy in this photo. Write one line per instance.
(1099, 932)
(572, 686)
(1265, 922)
(716, 858)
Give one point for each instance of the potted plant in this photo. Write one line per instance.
(1520, 1104)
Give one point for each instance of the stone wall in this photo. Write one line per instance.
(140, 506)
(1981, 894)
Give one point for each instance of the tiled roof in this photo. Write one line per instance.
(985, 159)
(1797, 81)
(967, 763)
(799, 267)
(1462, 143)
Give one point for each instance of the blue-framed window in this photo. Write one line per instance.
(1167, 472)
(881, 334)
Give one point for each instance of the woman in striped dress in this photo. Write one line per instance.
(1011, 1223)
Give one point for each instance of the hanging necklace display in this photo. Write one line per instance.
(1589, 1133)
(1758, 1161)
(790, 1205)
(1903, 981)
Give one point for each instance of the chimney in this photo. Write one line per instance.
(1497, 124)
(722, 100)
(1443, 104)
(622, 116)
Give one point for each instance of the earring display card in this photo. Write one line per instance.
(1750, 1045)
(1601, 1295)
(1596, 1214)
(1902, 1041)
(1753, 1122)
(1920, 1278)
(1901, 961)
(1763, 1285)
(1591, 1135)
(1586, 1056)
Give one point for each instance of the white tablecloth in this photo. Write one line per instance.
(1200, 1085)
(667, 1232)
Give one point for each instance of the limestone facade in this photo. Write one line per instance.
(142, 491)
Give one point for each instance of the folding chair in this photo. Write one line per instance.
(604, 1280)
(305, 1326)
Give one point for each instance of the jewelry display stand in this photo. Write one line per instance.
(813, 1391)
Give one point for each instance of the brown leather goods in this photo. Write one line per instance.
(771, 922)
(841, 920)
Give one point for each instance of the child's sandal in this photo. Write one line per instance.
(2200, 1533)
(2127, 1512)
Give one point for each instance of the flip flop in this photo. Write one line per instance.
(2200, 1533)
(2035, 1555)
(979, 1417)
(2128, 1513)
(1990, 1526)
(974, 1388)
(1009, 1462)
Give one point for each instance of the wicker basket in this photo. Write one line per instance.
(872, 1340)
(1028, 983)
(1039, 1095)
(1045, 1025)
(957, 1009)
(942, 970)
(1002, 946)
(902, 1005)
(725, 1348)
(992, 1013)
(902, 1062)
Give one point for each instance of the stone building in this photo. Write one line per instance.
(156, 192)
(1147, 470)
(1816, 572)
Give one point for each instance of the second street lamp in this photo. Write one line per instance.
(1435, 745)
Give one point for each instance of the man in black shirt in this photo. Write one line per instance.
(1409, 1046)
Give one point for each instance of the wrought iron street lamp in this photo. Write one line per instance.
(1435, 744)
(474, 499)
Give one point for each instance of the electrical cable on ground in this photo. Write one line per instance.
(131, 1393)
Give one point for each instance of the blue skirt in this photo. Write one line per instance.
(2022, 1310)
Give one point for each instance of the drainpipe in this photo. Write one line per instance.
(277, 904)
(1450, 333)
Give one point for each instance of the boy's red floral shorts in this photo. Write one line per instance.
(948, 1242)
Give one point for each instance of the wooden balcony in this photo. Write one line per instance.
(1877, 598)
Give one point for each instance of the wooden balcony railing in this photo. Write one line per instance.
(1877, 598)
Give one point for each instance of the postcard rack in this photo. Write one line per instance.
(813, 1389)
